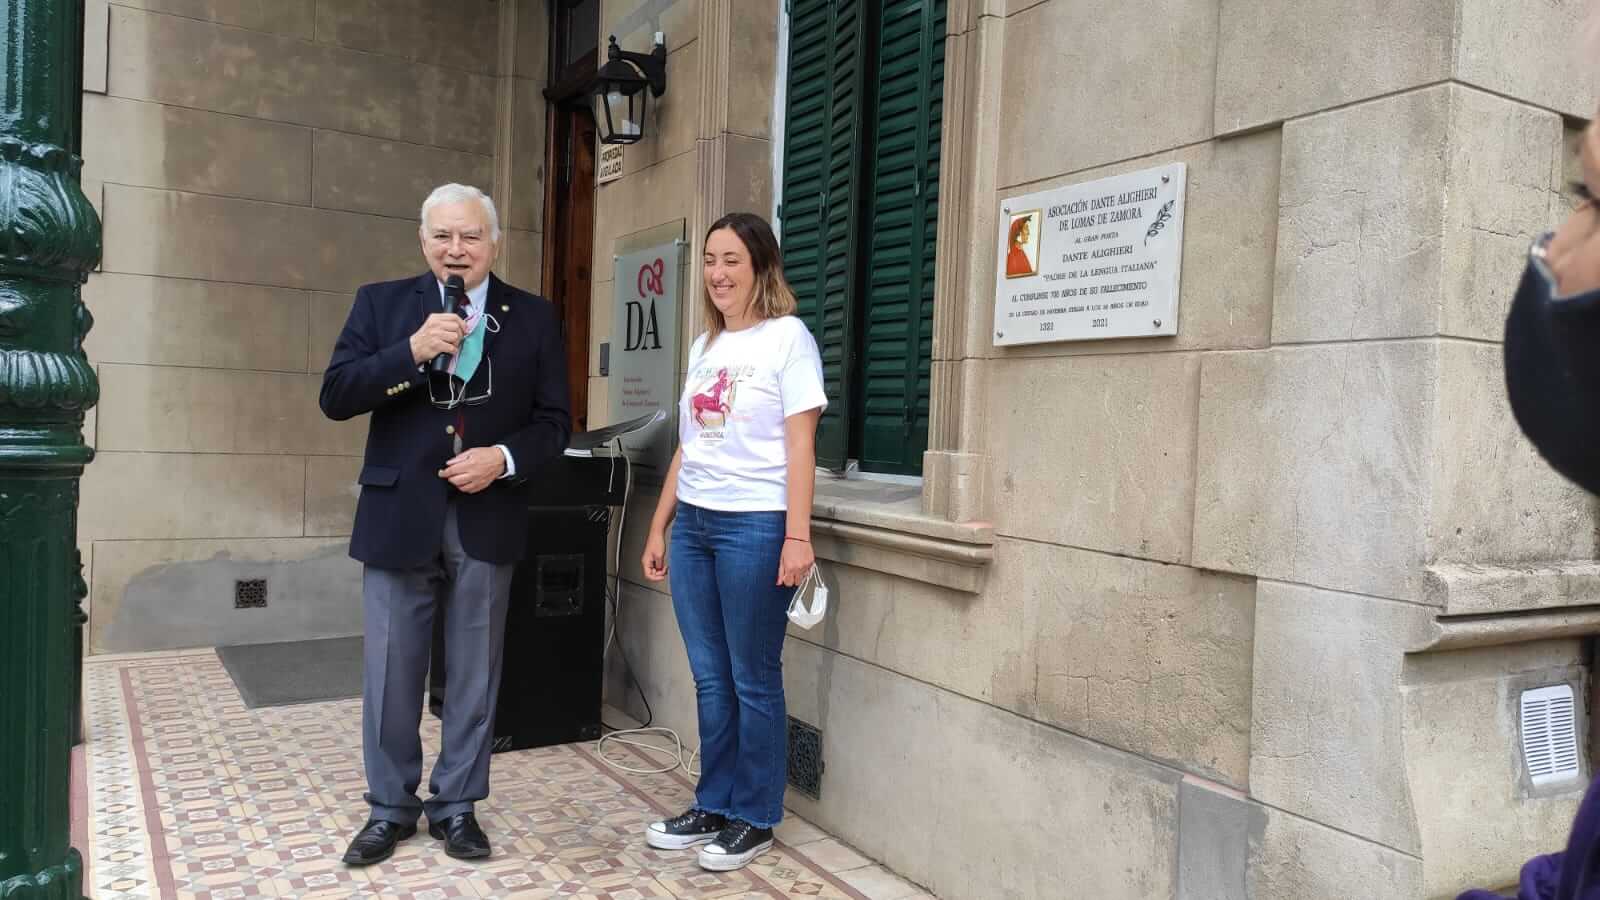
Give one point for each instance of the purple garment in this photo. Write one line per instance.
(1571, 875)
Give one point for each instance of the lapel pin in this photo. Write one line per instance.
(505, 307)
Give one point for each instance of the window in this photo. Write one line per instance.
(859, 215)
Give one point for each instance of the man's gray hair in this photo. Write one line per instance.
(460, 193)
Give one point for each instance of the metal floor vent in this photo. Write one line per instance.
(1550, 734)
(250, 593)
(805, 758)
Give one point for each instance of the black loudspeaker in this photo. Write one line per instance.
(553, 667)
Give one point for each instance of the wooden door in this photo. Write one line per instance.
(569, 187)
(569, 252)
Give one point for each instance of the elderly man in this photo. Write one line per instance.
(466, 384)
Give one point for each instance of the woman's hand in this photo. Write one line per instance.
(1574, 251)
(654, 560)
(795, 562)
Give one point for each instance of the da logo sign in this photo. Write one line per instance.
(643, 377)
(643, 328)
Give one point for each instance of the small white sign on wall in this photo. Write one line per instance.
(608, 166)
(1091, 261)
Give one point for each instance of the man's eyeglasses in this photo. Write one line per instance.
(454, 396)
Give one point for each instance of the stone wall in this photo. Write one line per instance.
(254, 163)
(1262, 596)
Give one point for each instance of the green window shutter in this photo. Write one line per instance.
(820, 175)
(902, 221)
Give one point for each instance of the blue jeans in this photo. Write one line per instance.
(724, 570)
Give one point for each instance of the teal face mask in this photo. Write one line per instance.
(466, 362)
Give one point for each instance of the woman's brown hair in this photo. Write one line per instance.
(772, 295)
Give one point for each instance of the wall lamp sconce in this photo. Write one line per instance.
(621, 103)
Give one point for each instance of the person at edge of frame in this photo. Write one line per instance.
(1552, 359)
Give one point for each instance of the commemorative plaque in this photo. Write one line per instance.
(1091, 261)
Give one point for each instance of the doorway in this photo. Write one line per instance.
(569, 191)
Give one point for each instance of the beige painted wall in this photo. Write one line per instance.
(254, 163)
(1222, 626)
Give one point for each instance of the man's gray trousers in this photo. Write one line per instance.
(398, 606)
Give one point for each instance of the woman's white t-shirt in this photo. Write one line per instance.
(730, 418)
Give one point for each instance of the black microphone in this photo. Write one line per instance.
(455, 294)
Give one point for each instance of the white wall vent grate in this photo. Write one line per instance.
(1550, 734)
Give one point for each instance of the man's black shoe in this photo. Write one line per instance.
(375, 842)
(462, 837)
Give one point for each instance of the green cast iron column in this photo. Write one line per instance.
(49, 240)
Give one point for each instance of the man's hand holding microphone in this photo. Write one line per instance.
(441, 333)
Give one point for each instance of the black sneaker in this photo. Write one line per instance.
(735, 847)
(682, 832)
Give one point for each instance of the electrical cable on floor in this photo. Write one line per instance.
(613, 588)
(632, 737)
(674, 752)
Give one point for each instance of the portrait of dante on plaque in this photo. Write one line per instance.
(1022, 245)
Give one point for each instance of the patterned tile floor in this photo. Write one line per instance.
(182, 792)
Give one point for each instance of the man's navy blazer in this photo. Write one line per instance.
(400, 516)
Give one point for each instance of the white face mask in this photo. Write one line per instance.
(807, 614)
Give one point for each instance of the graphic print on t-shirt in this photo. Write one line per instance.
(711, 405)
(733, 414)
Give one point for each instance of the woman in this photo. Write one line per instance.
(1552, 353)
(740, 487)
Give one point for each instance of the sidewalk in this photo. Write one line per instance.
(185, 793)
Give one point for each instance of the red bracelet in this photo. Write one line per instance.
(801, 540)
